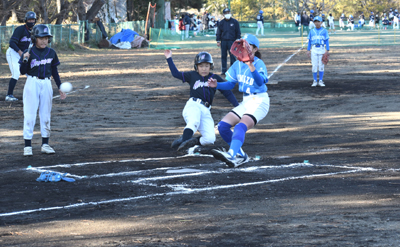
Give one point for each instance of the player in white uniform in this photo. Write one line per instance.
(331, 23)
(341, 21)
(396, 20)
(252, 77)
(40, 64)
(318, 43)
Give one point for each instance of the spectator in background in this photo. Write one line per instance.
(350, 23)
(396, 20)
(377, 21)
(297, 20)
(182, 27)
(372, 20)
(341, 21)
(385, 21)
(186, 22)
(305, 21)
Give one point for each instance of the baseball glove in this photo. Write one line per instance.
(325, 58)
(242, 51)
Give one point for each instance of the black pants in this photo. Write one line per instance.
(225, 48)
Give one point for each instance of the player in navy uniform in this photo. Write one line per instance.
(260, 22)
(41, 63)
(197, 113)
(251, 77)
(19, 42)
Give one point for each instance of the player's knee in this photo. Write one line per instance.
(207, 139)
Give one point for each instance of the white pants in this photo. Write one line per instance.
(37, 94)
(12, 59)
(187, 31)
(316, 59)
(351, 26)
(396, 24)
(256, 105)
(371, 23)
(198, 118)
(341, 23)
(332, 25)
(312, 25)
(260, 26)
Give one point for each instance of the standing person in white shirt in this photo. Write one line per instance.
(331, 24)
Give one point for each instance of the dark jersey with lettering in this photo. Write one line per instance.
(21, 38)
(199, 86)
(40, 63)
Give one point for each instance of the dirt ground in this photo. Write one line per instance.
(327, 173)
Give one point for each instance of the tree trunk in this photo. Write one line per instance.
(81, 10)
(92, 12)
(43, 11)
(130, 10)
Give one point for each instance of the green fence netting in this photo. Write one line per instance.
(276, 34)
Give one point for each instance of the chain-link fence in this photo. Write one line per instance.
(84, 32)
(276, 34)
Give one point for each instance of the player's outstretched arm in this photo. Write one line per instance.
(168, 54)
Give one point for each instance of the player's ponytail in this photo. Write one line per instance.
(258, 54)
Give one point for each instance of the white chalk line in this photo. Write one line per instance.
(186, 191)
(284, 62)
(58, 96)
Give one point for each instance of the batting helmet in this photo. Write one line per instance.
(40, 31)
(203, 57)
(30, 15)
(226, 11)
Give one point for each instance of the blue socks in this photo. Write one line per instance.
(225, 131)
(321, 76)
(237, 139)
(226, 135)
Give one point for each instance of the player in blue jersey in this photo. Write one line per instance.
(19, 42)
(197, 112)
(318, 45)
(40, 65)
(251, 77)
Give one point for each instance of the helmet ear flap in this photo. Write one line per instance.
(195, 67)
(211, 66)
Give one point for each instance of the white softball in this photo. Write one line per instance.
(66, 87)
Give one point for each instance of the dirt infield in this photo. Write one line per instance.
(328, 173)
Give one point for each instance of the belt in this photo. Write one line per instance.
(247, 94)
(319, 45)
(205, 103)
(39, 77)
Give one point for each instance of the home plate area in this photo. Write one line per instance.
(166, 182)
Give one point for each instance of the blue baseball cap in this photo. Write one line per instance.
(311, 11)
(261, 11)
(252, 40)
(318, 18)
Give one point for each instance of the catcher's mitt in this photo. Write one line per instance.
(325, 58)
(242, 51)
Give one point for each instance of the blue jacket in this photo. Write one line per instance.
(228, 30)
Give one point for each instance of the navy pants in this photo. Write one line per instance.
(225, 49)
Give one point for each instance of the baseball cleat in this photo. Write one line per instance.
(314, 84)
(46, 149)
(11, 98)
(28, 151)
(189, 143)
(225, 157)
(321, 83)
(242, 159)
(177, 142)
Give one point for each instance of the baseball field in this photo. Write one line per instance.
(324, 167)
